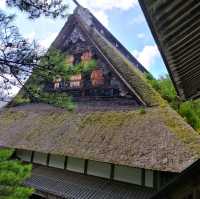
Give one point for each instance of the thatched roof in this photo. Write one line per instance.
(124, 67)
(175, 27)
(155, 139)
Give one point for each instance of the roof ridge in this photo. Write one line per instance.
(124, 67)
(85, 14)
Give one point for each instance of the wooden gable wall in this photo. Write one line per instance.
(99, 84)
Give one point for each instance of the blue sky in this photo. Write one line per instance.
(123, 18)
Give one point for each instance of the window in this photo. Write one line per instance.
(128, 174)
(99, 169)
(97, 77)
(86, 56)
(148, 178)
(75, 164)
(56, 82)
(24, 155)
(57, 161)
(70, 59)
(40, 158)
(75, 81)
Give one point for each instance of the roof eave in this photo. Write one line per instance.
(161, 49)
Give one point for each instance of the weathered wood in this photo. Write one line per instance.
(175, 27)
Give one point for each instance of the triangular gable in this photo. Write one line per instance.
(77, 41)
(126, 70)
(170, 143)
(83, 33)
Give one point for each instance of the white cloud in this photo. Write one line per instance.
(139, 19)
(30, 36)
(147, 56)
(109, 4)
(2, 4)
(99, 7)
(141, 35)
(45, 43)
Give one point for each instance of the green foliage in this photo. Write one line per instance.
(58, 99)
(190, 110)
(59, 66)
(164, 86)
(55, 65)
(5, 154)
(19, 100)
(84, 67)
(142, 111)
(12, 175)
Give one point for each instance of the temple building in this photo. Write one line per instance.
(122, 140)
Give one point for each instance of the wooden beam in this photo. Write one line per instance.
(76, 2)
(143, 177)
(112, 172)
(85, 167)
(48, 159)
(65, 164)
(32, 156)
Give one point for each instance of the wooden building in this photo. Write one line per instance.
(175, 27)
(121, 141)
(185, 186)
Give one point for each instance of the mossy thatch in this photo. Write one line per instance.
(126, 70)
(155, 139)
(129, 72)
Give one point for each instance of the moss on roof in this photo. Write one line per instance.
(154, 138)
(157, 139)
(126, 69)
(133, 76)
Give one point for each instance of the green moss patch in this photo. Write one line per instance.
(11, 116)
(130, 138)
(129, 72)
(181, 129)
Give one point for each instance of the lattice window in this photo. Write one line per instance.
(97, 77)
(24, 155)
(70, 59)
(128, 174)
(76, 81)
(149, 178)
(40, 158)
(86, 56)
(57, 161)
(75, 164)
(99, 169)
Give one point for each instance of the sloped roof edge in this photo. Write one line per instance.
(175, 28)
(133, 77)
(158, 139)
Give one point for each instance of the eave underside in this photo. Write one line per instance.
(67, 184)
(175, 26)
